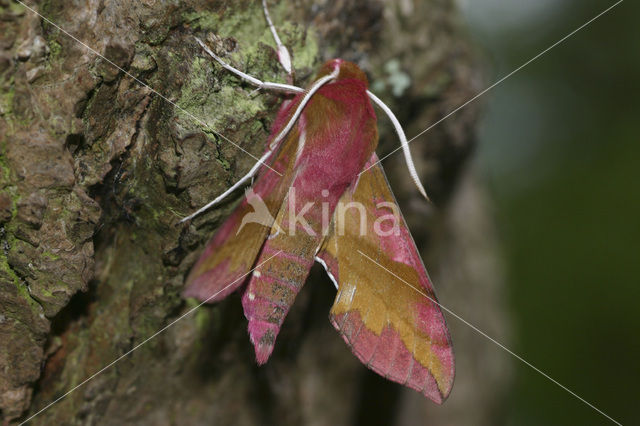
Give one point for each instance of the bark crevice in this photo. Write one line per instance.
(96, 170)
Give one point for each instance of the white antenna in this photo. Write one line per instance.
(273, 86)
(283, 53)
(403, 143)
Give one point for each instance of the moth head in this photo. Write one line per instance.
(347, 70)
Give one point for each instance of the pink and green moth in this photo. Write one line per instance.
(385, 308)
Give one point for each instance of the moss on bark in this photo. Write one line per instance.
(97, 169)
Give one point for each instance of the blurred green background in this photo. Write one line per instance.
(559, 150)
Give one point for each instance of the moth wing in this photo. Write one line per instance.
(231, 253)
(338, 121)
(386, 312)
(219, 270)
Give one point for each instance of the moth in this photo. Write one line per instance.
(320, 195)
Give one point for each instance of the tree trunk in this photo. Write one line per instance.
(98, 168)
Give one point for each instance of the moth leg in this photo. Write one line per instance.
(283, 53)
(326, 268)
(280, 87)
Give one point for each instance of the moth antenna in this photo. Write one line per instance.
(235, 186)
(288, 88)
(312, 90)
(283, 53)
(261, 85)
(403, 142)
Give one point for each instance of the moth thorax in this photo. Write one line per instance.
(348, 70)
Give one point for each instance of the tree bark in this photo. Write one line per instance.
(98, 168)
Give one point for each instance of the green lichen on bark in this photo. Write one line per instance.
(124, 165)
